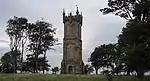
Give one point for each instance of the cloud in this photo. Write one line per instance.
(97, 29)
(3, 41)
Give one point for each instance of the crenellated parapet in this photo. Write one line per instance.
(70, 18)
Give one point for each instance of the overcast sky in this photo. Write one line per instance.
(97, 28)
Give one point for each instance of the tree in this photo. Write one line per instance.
(28, 65)
(108, 56)
(96, 59)
(88, 69)
(55, 70)
(7, 61)
(43, 65)
(128, 9)
(135, 37)
(114, 56)
(41, 38)
(120, 8)
(15, 29)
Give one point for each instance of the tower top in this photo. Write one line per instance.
(70, 17)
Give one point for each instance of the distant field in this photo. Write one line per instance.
(48, 77)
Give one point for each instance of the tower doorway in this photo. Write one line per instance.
(70, 69)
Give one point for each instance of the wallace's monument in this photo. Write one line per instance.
(72, 44)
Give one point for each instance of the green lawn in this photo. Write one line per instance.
(46, 77)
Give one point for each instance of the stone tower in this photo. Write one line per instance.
(72, 44)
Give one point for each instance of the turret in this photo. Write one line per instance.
(77, 12)
(63, 15)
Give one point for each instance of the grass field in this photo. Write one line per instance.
(46, 77)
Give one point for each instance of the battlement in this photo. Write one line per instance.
(69, 18)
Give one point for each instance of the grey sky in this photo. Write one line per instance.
(97, 29)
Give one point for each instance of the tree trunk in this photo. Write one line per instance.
(14, 68)
(12, 53)
(22, 56)
(34, 69)
(140, 72)
(103, 72)
(44, 63)
(43, 71)
(36, 63)
(96, 71)
(14, 61)
(128, 72)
